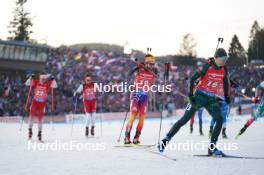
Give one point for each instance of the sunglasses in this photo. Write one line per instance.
(224, 58)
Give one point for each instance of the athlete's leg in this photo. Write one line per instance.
(224, 111)
(31, 120)
(143, 105)
(191, 123)
(130, 121)
(41, 109)
(260, 110)
(214, 110)
(200, 116)
(189, 112)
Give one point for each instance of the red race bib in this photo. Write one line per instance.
(88, 92)
(143, 78)
(41, 91)
(212, 81)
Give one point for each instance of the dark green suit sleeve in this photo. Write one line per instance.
(226, 85)
(197, 74)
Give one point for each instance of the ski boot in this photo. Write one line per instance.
(86, 131)
(224, 133)
(241, 131)
(127, 138)
(162, 144)
(92, 131)
(30, 133)
(40, 136)
(213, 151)
(201, 131)
(191, 129)
(136, 138)
(210, 132)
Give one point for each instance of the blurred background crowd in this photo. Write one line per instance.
(70, 65)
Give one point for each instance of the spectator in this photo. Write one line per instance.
(68, 66)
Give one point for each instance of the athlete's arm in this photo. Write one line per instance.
(226, 86)
(153, 71)
(233, 84)
(196, 76)
(79, 90)
(131, 72)
(30, 81)
(258, 89)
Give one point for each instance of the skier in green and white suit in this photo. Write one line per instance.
(260, 108)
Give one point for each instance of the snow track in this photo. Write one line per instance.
(107, 159)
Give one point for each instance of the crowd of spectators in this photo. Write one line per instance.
(70, 65)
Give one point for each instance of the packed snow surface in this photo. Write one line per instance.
(100, 156)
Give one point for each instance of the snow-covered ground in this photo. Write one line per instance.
(16, 158)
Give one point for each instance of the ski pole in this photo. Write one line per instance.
(28, 95)
(52, 107)
(101, 116)
(101, 124)
(162, 106)
(181, 94)
(21, 123)
(75, 106)
(118, 140)
(166, 76)
(245, 96)
(26, 105)
(52, 99)
(123, 125)
(220, 40)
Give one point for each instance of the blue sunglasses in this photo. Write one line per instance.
(224, 58)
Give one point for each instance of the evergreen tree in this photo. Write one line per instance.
(255, 42)
(259, 40)
(237, 54)
(20, 26)
(254, 29)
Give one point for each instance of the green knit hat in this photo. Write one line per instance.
(220, 52)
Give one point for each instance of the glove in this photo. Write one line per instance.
(74, 94)
(238, 89)
(228, 100)
(255, 100)
(33, 76)
(51, 77)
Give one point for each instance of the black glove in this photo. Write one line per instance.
(33, 76)
(51, 77)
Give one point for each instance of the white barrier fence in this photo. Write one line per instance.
(9, 119)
